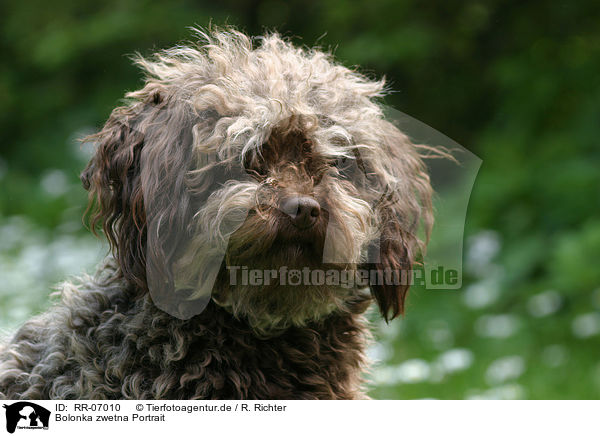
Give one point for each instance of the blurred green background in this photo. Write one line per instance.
(517, 83)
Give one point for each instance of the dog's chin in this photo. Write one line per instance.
(291, 248)
(282, 300)
(289, 254)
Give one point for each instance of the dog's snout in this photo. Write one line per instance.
(303, 211)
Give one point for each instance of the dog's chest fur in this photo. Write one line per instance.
(143, 353)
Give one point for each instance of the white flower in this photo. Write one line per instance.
(439, 333)
(481, 294)
(483, 247)
(497, 326)
(586, 325)
(458, 359)
(544, 304)
(55, 183)
(409, 371)
(378, 352)
(504, 369)
(413, 371)
(511, 391)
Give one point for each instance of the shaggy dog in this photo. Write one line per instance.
(236, 156)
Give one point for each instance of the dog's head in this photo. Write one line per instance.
(233, 159)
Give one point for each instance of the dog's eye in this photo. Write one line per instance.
(352, 169)
(254, 165)
(306, 148)
(341, 162)
(344, 165)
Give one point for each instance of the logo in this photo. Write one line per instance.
(26, 415)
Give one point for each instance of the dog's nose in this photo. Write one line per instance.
(304, 211)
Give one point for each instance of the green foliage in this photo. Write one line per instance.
(516, 83)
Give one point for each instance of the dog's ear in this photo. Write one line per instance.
(395, 252)
(116, 203)
(405, 205)
(136, 184)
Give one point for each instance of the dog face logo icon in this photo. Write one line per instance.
(26, 415)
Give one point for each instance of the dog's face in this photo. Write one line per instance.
(234, 159)
(303, 204)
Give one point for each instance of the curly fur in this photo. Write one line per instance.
(188, 178)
